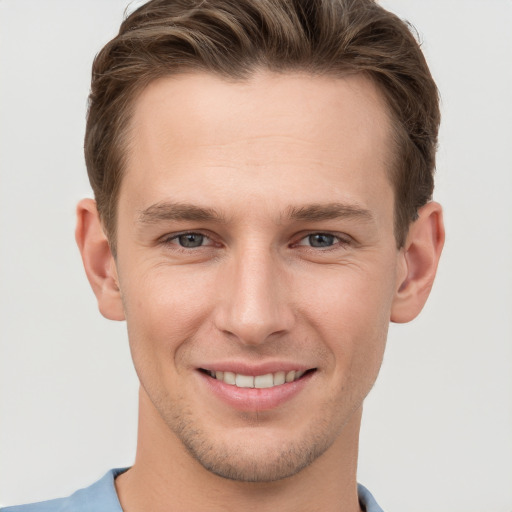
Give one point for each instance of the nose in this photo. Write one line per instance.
(255, 304)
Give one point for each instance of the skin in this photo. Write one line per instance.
(272, 162)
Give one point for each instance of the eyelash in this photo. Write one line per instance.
(342, 241)
(170, 239)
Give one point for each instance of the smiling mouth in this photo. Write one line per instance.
(268, 380)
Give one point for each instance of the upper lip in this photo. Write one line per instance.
(255, 369)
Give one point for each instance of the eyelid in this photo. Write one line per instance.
(342, 239)
(170, 238)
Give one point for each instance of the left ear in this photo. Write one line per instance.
(421, 255)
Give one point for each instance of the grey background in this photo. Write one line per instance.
(437, 432)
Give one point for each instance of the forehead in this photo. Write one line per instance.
(306, 135)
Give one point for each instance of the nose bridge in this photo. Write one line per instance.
(255, 304)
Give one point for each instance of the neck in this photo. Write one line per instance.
(165, 473)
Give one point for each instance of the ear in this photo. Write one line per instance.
(99, 263)
(420, 255)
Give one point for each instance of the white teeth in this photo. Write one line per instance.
(229, 378)
(279, 378)
(244, 381)
(264, 381)
(268, 380)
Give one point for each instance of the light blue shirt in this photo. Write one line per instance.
(102, 497)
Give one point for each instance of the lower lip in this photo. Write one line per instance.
(255, 399)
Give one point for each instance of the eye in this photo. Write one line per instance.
(322, 240)
(188, 240)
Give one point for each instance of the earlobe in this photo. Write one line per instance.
(98, 261)
(420, 255)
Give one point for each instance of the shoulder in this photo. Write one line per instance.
(99, 496)
(366, 500)
(42, 506)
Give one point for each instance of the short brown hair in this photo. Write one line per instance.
(234, 38)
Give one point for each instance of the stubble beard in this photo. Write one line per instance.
(247, 460)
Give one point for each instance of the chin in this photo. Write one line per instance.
(254, 454)
(245, 463)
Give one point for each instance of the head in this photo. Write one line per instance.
(258, 168)
(236, 39)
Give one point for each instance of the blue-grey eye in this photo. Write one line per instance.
(321, 240)
(191, 240)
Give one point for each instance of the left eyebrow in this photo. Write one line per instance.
(328, 211)
(166, 211)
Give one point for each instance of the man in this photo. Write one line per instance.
(263, 178)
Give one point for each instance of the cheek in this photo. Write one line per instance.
(350, 311)
(348, 297)
(164, 309)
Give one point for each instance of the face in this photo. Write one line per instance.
(257, 263)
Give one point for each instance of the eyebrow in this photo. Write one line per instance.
(328, 211)
(166, 211)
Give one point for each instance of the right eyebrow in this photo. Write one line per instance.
(165, 211)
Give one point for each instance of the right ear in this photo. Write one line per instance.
(98, 261)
